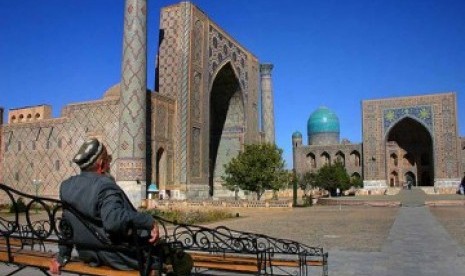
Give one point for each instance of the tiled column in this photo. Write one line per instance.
(267, 103)
(131, 162)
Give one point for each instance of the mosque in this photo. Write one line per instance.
(406, 139)
(211, 97)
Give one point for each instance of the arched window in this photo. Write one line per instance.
(311, 160)
(325, 158)
(29, 117)
(21, 117)
(394, 160)
(340, 157)
(37, 115)
(13, 118)
(355, 158)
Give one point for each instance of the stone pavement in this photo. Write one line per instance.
(417, 244)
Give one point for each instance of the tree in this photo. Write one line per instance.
(356, 181)
(307, 182)
(258, 168)
(330, 177)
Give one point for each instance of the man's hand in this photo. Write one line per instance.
(54, 267)
(154, 234)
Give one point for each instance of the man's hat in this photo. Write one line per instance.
(88, 153)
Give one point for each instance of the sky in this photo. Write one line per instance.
(332, 53)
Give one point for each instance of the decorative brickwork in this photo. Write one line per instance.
(267, 100)
(43, 150)
(194, 53)
(409, 139)
(313, 157)
(435, 113)
(1, 149)
(132, 121)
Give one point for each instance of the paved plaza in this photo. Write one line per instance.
(409, 240)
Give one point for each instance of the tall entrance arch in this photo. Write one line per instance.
(213, 84)
(411, 142)
(227, 123)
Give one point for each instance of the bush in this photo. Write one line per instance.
(191, 216)
(20, 205)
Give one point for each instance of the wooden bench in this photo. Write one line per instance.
(18, 240)
(222, 248)
(212, 249)
(285, 253)
(239, 263)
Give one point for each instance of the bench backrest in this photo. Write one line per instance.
(47, 224)
(275, 245)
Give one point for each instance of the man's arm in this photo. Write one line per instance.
(117, 217)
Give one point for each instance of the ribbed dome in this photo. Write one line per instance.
(322, 120)
(296, 134)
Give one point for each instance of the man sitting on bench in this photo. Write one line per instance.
(95, 194)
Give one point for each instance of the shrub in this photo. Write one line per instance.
(191, 216)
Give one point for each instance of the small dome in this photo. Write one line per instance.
(296, 134)
(322, 120)
(152, 188)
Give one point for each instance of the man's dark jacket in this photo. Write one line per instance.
(108, 212)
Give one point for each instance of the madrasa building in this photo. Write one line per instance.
(205, 107)
(405, 139)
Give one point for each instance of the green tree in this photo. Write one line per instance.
(307, 182)
(356, 181)
(258, 168)
(330, 177)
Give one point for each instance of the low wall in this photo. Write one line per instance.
(154, 203)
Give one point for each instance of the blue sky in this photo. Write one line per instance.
(329, 52)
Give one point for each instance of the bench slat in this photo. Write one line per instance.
(226, 266)
(3, 257)
(82, 268)
(221, 258)
(14, 242)
(42, 260)
(295, 263)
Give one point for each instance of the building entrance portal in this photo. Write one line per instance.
(409, 153)
(227, 123)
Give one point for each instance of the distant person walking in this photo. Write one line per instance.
(462, 185)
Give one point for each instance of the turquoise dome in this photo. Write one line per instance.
(323, 120)
(152, 188)
(296, 134)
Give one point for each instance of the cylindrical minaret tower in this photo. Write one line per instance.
(131, 162)
(267, 103)
(296, 142)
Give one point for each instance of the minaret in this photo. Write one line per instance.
(267, 103)
(296, 143)
(131, 162)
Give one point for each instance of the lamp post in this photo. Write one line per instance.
(36, 183)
